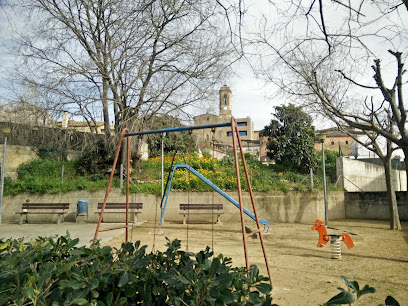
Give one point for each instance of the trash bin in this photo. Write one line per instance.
(82, 209)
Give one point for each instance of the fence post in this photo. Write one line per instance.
(121, 176)
(311, 179)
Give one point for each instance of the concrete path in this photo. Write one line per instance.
(84, 231)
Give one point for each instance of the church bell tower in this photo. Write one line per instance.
(225, 102)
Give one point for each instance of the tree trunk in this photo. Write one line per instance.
(392, 199)
(105, 109)
(405, 150)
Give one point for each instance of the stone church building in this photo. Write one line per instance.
(222, 136)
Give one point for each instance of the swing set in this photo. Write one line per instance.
(236, 140)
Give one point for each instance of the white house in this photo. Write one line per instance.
(360, 152)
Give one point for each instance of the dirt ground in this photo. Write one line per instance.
(303, 274)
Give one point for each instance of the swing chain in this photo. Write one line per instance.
(188, 202)
(212, 208)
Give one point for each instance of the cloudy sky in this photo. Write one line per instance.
(249, 94)
(250, 97)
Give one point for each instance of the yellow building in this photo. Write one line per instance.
(97, 127)
(335, 139)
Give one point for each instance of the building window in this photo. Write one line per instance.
(332, 143)
(208, 118)
(225, 99)
(241, 123)
(241, 133)
(346, 141)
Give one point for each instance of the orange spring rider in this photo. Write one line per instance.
(333, 238)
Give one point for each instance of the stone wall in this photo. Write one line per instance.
(16, 155)
(289, 207)
(373, 205)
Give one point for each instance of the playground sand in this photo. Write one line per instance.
(302, 274)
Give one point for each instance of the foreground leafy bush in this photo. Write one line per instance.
(353, 293)
(52, 271)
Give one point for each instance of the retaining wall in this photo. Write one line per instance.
(289, 207)
(359, 176)
(16, 155)
(373, 205)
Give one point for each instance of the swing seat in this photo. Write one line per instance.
(201, 209)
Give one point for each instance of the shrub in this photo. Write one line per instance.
(44, 176)
(51, 153)
(54, 272)
(353, 293)
(96, 160)
(330, 164)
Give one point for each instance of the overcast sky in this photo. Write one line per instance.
(248, 94)
(250, 98)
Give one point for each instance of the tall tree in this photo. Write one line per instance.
(182, 142)
(291, 137)
(325, 66)
(373, 143)
(126, 59)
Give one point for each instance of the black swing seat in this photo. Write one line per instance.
(197, 209)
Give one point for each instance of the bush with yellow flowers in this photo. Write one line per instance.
(221, 173)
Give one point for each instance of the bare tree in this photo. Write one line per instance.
(319, 52)
(373, 143)
(128, 60)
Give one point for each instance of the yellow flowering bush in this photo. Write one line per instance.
(208, 167)
(221, 173)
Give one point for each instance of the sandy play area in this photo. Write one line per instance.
(302, 273)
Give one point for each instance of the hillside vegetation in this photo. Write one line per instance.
(48, 176)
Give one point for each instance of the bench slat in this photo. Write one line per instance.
(43, 213)
(201, 206)
(121, 205)
(45, 206)
(211, 209)
(202, 213)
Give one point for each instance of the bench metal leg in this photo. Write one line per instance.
(218, 219)
(184, 219)
(21, 219)
(59, 219)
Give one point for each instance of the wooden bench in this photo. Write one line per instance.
(38, 209)
(114, 208)
(207, 209)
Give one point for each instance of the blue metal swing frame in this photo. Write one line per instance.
(209, 183)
